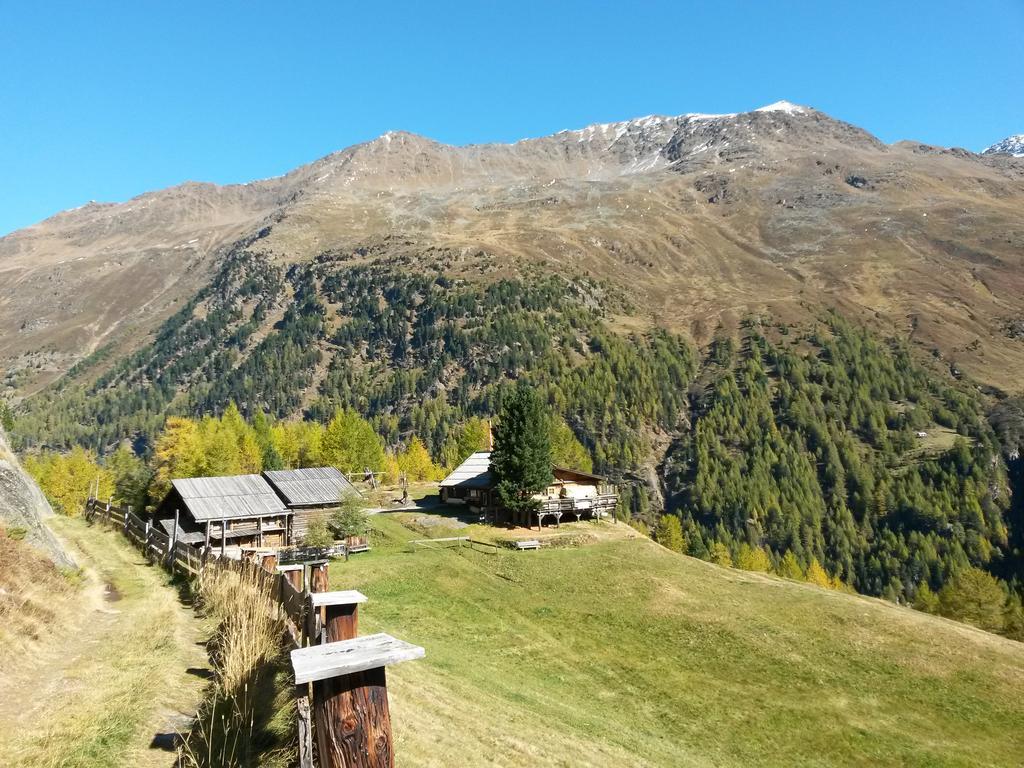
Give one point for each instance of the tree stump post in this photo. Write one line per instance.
(269, 562)
(350, 698)
(339, 614)
(317, 582)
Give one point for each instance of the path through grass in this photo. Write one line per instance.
(120, 666)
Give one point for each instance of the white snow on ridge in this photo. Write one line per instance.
(783, 106)
(1011, 145)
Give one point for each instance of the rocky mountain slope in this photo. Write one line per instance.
(1011, 145)
(23, 508)
(698, 220)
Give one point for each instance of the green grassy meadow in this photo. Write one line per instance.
(622, 653)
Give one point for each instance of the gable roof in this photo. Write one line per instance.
(564, 473)
(214, 498)
(311, 485)
(474, 472)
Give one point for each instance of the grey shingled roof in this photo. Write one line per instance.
(214, 498)
(311, 486)
(189, 537)
(474, 472)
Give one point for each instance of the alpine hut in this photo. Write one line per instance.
(311, 493)
(571, 492)
(226, 513)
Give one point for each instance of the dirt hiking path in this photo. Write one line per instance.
(116, 676)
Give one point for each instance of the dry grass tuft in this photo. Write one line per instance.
(247, 719)
(32, 589)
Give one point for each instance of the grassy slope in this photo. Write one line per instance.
(622, 653)
(107, 676)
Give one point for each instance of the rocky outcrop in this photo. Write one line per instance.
(23, 507)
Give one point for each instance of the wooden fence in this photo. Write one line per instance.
(185, 559)
(318, 623)
(452, 541)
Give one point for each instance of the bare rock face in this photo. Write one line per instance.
(23, 506)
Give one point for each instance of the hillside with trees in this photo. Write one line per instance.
(823, 452)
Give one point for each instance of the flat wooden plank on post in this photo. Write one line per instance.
(345, 657)
(350, 698)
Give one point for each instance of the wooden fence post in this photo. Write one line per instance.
(305, 718)
(339, 613)
(318, 577)
(294, 574)
(350, 698)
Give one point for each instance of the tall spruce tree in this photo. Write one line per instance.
(521, 460)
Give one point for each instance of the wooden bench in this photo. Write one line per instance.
(357, 544)
(528, 544)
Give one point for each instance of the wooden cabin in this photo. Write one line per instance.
(570, 494)
(226, 513)
(312, 493)
(471, 483)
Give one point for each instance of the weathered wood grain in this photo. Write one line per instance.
(318, 662)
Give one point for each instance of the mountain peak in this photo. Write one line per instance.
(1011, 145)
(784, 106)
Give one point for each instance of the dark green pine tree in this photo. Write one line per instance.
(521, 460)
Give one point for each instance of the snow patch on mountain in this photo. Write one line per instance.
(783, 106)
(1011, 145)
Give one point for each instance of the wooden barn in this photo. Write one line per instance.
(571, 494)
(312, 493)
(226, 513)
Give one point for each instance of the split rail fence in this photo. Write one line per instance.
(340, 677)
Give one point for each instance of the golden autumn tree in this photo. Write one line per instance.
(351, 444)
(416, 463)
(467, 438)
(789, 567)
(669, 533)
(178, 452)
(68, 479)
(817, 575)
(753, 559)
(720, 554)
(566, 450)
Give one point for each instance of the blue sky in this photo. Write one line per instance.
(103, 101)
